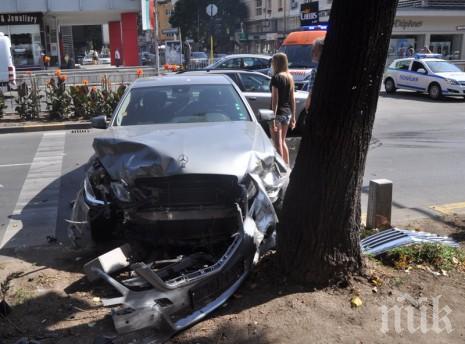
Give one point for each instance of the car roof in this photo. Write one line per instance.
(181, 79)
(249, 55)
(221, 71)
(421, 59)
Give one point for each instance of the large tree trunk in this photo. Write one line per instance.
(318, 239)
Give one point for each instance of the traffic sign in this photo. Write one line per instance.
(212, 10)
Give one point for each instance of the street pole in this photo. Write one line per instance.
(157, 51)
(285, 18)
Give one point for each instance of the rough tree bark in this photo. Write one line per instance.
(318, 238)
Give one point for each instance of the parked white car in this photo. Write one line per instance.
(425, 73)
(7, 69)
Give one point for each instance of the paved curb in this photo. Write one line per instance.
(44, 127)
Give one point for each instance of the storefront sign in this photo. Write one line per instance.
(407, 24)
(309, 14)
(20, 18)
(461, 28)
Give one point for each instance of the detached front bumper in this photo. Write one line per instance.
(169, 299)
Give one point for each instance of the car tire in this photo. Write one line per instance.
(434, 91)
(389, 85)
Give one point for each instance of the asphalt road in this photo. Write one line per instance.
(417, 143)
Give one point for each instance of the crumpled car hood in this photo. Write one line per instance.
(232, 148)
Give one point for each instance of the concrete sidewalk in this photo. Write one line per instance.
(27, 127)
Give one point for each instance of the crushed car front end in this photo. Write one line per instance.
(195, 214)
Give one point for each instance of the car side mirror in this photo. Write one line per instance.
(265, 115)
(422, 71)
(99, 122)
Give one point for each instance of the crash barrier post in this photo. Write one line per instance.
(379, 204)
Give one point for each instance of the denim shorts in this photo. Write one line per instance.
(283, 119)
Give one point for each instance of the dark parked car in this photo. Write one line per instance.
(243, 61)
(185, 171)
(199, 59)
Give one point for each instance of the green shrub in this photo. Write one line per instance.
(2, 103)
(437, 256)
(58, 98)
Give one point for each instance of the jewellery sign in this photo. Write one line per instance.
(20, 18)
(309, 14)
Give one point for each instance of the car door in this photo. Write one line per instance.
(420, 79)
(401, 72)
(256, 88)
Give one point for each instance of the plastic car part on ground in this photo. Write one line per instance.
(172, 295)
(392, 238)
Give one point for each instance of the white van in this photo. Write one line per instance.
(7, 70)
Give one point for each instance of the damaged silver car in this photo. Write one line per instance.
(187, 177)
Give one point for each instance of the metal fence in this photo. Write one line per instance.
(93, 77)
(437, 4)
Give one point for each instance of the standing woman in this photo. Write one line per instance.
(282, 104)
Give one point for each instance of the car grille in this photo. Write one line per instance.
(188, 190)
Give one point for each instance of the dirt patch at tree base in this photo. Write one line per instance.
(54, 303)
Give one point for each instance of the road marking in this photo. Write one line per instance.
(14, 165)
(448, 209)
(35, 214)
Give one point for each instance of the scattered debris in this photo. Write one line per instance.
(91, 324)
(391, 238)
(356, 301)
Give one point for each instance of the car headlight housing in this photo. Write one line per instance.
(452, 82)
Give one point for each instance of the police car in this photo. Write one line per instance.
(425, 73)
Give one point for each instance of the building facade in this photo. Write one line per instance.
(436, 24)
(57, 28)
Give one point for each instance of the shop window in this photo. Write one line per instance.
(449, 46)
(258, 8)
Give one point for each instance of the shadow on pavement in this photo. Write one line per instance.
(420, 97)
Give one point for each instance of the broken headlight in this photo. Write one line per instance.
(96, 184)
(120, 191)
(89, 193)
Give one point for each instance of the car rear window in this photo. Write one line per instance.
(181, 104)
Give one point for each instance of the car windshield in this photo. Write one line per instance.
(299, 56)
(442, 67)
(199, 55)
(181, 104)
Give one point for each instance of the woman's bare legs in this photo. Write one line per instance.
(284, 148)
(279, 139)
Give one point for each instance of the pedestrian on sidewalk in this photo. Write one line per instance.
(316, 55)
(282, 103)
(117, 58)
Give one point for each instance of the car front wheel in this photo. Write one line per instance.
(389, 85)
(435, 91)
